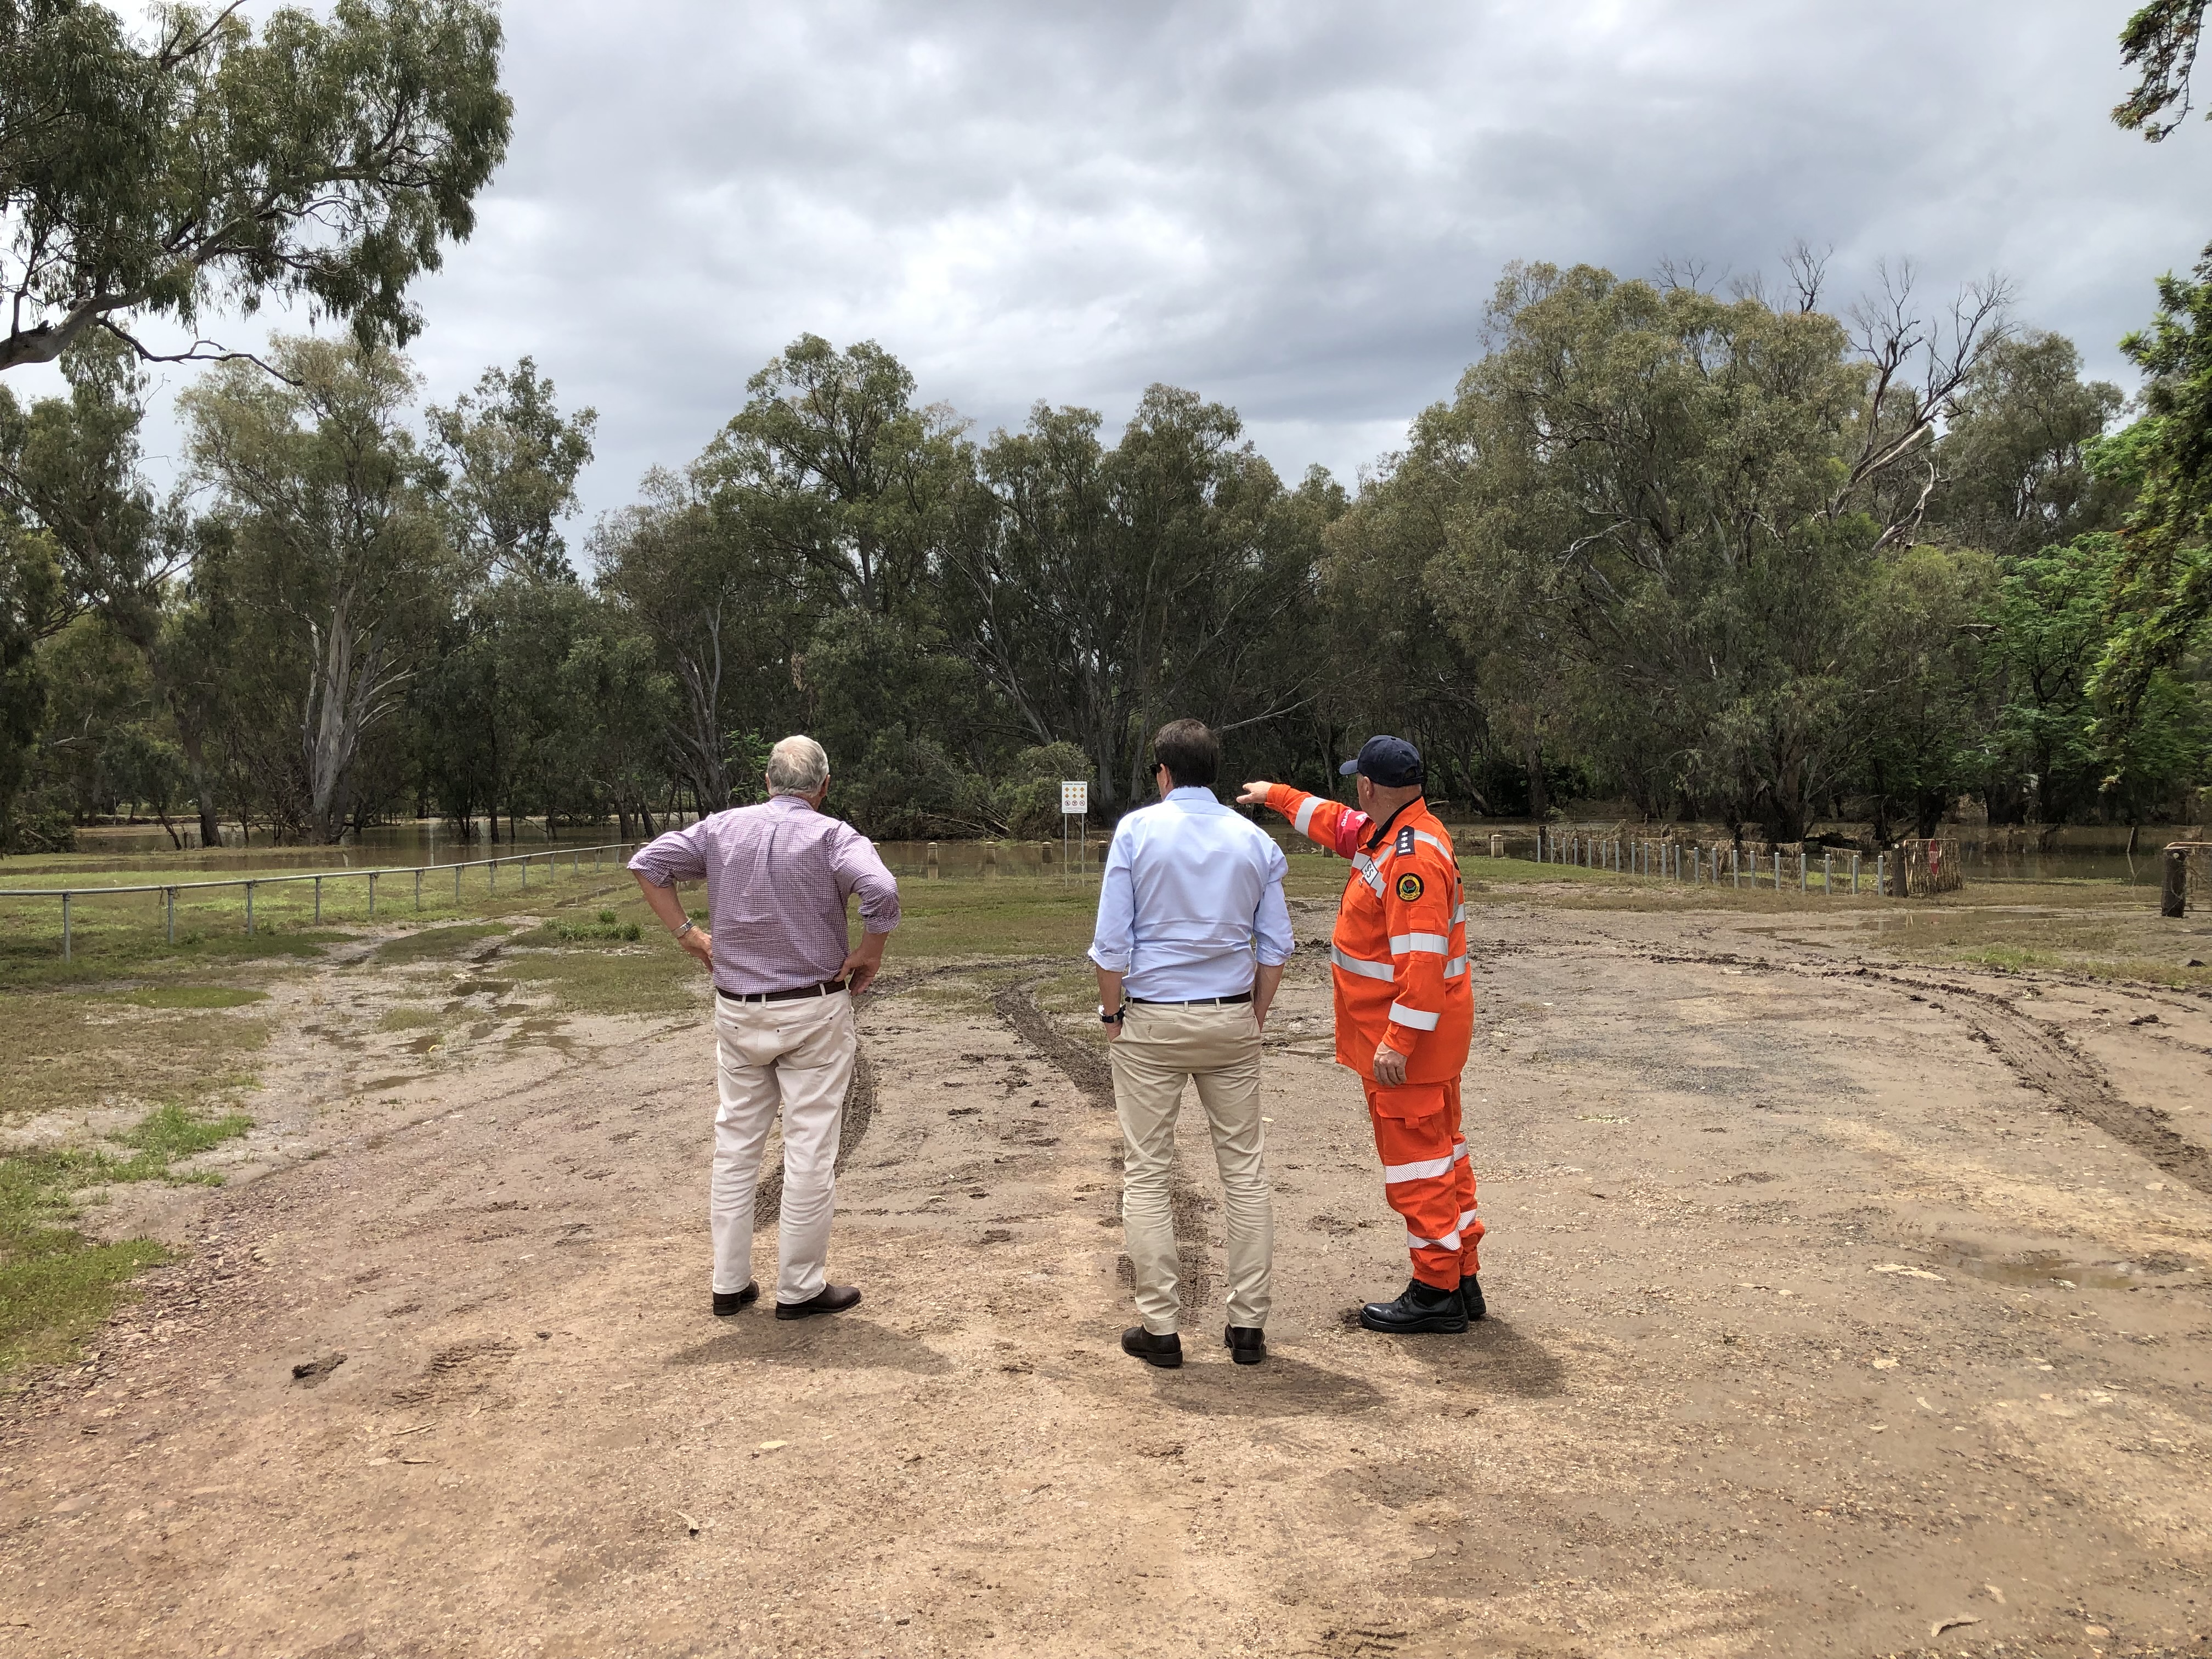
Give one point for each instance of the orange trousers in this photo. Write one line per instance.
(1428, 1178)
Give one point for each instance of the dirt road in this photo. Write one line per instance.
(1839, 1307)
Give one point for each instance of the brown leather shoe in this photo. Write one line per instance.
(1165, 1351)
(1246, 1344)
(728, 1301)
(831, 1298)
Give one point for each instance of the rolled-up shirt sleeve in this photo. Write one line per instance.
(679, 855)
(1271, 924)
(861, 869)
(1114, 938)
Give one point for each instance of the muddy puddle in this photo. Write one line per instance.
(2053, 1269)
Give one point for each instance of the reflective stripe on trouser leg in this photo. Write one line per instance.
(1470, 1224)
(1423, 1178)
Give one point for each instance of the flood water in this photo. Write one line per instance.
(2092, 852)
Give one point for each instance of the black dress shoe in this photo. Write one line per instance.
(1470, 1297)
(1165, 1351)
(728, 1301)
(1247, 1344)
(830, 1299)
(1418, 1308)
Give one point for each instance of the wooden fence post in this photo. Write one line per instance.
(2173, 894)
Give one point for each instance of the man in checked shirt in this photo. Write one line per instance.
(778, 876)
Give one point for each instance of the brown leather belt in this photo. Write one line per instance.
(829, 987)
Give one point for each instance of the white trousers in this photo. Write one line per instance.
(1217, 1049)
(799, 1055)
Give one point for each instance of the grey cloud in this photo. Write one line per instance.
(1299, 208)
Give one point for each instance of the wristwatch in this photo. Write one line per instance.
(688, 925)
(1114, 1018)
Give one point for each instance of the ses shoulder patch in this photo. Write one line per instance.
(1404, 842)
(1409, 887)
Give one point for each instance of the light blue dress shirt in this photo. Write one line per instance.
(1192, 892)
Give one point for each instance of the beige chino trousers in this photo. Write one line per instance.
(797, 1056)
(1217, 1049)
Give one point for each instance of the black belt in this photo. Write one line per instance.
(1193, 1002)
(827, 987)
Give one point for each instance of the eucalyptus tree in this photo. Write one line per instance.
(201, 168)
(1102, 591)
(72, 466)
(724, 602)
(1670, 504)
(30, 592)
(2015, 476)
(832, 463)
(504, 462)
(332, 563)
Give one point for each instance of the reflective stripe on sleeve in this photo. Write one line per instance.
(1449, 1242)
(1459, 915)
(1305, 814)
(1404, 943)
(1395, 1173)
(1415, 1017)
(1361, 966)
(1423, 834)
(1455, 967)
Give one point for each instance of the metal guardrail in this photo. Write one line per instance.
(169, 890)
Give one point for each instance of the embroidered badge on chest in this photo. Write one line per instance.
(1409, 887)
(1404, 842)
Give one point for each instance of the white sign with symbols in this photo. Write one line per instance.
(1075, 800)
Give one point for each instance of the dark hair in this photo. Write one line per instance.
(1190, 751)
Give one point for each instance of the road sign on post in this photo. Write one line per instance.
(1075, 803)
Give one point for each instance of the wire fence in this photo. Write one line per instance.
(521, 862)
(1735, 866)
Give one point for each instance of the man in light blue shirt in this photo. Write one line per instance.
(1191, 937)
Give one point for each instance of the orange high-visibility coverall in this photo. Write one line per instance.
(1399, 959)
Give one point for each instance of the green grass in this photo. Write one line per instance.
(55, 1284)
(125, 936)
(193, 996)
(409, 1019)
(1012, 917)
(605, 926)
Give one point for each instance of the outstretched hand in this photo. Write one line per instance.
(1256, 794)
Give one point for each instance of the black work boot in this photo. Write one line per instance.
(1418, 1308)
(1246, 1344)
(1165, 1351)
(1470, 1296)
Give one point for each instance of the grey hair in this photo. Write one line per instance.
(797, 766)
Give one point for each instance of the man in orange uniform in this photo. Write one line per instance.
(1405, 1014)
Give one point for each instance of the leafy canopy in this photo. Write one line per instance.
(204, 168)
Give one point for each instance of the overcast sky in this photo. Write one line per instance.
(1298, 209)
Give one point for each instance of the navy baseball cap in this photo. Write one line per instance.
(1390, 762)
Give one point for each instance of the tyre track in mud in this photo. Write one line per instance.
(859, 1098)
(1093, 1075)
(2036, 1052)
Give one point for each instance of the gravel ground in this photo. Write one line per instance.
(1840, 1306)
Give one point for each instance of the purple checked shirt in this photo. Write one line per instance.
(777, 878)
